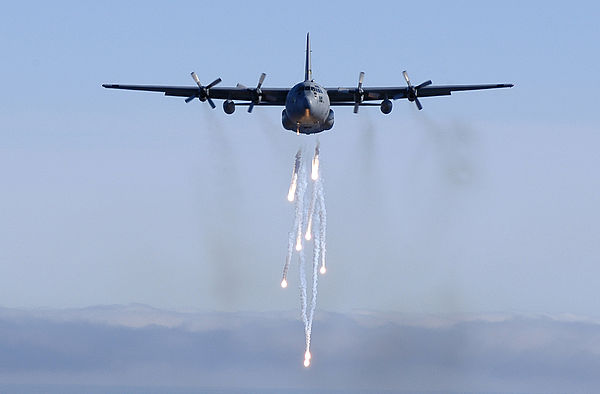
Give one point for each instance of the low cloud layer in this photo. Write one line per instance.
(141, 346)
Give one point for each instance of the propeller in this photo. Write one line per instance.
(203, 91)
(413, 91)
(359, 93)
(257, 93)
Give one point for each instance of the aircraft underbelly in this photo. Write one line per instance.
(308, 122)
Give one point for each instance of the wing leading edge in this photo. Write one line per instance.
(337, 96)
(344, 96)
(270, 96)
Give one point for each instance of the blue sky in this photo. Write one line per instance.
(484, 201)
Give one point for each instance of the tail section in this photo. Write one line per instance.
(308, 67)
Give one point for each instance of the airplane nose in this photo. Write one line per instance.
(300, 109)
(305, 102)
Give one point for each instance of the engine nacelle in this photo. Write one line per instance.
(286, 122)
(386, 106)
(228, 107)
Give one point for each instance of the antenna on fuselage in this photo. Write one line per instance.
(308, 67)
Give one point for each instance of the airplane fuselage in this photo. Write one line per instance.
(307, 109)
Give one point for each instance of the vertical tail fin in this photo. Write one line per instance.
(308, 67)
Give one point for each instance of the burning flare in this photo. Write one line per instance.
(314, 175)
(292, 191)
(307, 357)
(294, 183)
(308, 235)
(323, 270)
(283, 283)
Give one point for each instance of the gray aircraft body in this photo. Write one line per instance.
(307, 104)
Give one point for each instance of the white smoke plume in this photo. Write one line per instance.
(322, 224)
(294, 194)
(300, 214)
(311, 213)
(299, 221)
(315, 277)
(314, 217)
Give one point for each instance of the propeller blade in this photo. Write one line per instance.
(358, 95)
(418, 104)
(187, 100)
(213, 83)
(405, 74)
(196, 79)
(261, 80)
(251, 107)
(210, 102)
(240, 86)
(426, 83)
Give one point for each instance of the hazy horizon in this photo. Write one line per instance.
(143, 349)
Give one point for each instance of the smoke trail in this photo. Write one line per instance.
(300, 214)
(288, 259)
(296, 194)
(322, 224)
(303, 297)
(294, 182)
(318, 254)
(311, 213)
(319, 205)
(311, 210)
(314, 174)
(303, 307)
(315, 277)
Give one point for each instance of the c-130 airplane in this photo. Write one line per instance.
(307, 104)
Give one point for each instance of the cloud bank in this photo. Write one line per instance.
(138, 345)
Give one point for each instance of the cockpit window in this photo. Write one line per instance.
(314, 89)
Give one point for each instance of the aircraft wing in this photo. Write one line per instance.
(270, 96)
(344, 96)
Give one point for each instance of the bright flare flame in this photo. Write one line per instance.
(314, 175)
(308, 235)
(307, 357)
(299, 243)
(292, 191)
(322, 270)
(284, 283)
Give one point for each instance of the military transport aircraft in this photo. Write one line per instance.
(307, 104)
